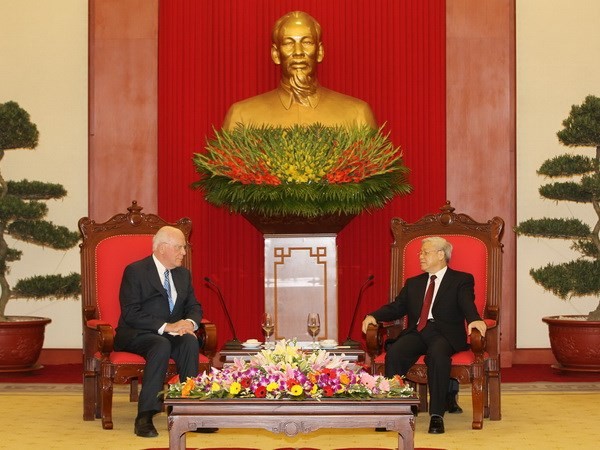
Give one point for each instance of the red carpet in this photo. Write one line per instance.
(522, 373)
(528, 373)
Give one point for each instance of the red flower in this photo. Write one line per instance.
(328, 391)
(260, 392)
(245, 382)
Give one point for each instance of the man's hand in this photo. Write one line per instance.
(479, 324)
(180, 328)
(369, 320)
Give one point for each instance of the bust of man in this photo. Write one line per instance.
(299, 99)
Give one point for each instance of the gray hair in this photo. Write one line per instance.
(440, 244)
(164, 236)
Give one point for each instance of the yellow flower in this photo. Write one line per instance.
(215, 387)
(314, 389)
(344, 379)
(296, 390)
(272, 386)
(235, 388)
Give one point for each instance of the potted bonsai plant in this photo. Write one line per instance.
(22, 212)
(575, 340)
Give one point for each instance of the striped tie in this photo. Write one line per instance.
(167, 286)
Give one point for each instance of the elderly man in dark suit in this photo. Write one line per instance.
(437, 303)
(159, 314)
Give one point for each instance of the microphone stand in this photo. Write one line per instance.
(350, 342)
(235, 342)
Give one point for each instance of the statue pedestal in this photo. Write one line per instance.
(301, 277)
(301, 273)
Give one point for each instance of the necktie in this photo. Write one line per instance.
(426, 303)
(167, 287)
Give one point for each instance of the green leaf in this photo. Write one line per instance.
(572, 279)
(582, 127)
(567, 165)
(12, 207)
(16, 128)
(569, 191)
(43, 233)
(42, 286)
(553, 228)
(36, 190)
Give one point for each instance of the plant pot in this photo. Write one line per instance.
(21, 341)
(330, 223)
(575, 343)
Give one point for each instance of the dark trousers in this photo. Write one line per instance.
(404, 352)
(157, 350)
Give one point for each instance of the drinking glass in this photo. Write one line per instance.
(268, 326)
(313, 322)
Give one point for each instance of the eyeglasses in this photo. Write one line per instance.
(177, 247)
(425, 252)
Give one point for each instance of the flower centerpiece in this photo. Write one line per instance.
(288, 372)
(304, 171)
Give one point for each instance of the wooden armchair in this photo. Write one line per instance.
(477, 249)
(105, 251)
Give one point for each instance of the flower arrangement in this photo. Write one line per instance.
(306, 171)
(288, 372)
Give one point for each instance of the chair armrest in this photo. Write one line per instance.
(377, 336)
(100, 336)
(373, 340)
(106, 338)
(478, 344)
(207, 334)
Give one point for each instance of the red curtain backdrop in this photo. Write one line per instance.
(390, 53)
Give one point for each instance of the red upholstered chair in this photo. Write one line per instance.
(477, 250)
(105, 251)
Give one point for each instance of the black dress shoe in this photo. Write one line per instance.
(206, 430)
(436, 425)
(144, 427)
(451, 404)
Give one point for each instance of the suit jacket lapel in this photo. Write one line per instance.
(154, 279)
(446, 282)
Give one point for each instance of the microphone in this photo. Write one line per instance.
(233, 343)
(350, 342)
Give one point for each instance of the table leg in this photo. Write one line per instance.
(176, 434)
(406, 433)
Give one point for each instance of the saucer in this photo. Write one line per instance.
(251, 345)
(329, 345)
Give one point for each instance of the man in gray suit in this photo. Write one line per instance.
(436, 330)
(159, 314)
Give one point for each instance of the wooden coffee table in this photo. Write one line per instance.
(291, 416)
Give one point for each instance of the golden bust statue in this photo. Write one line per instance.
(299, 99)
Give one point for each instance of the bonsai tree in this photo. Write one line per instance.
(22, 212)
(580, 277)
